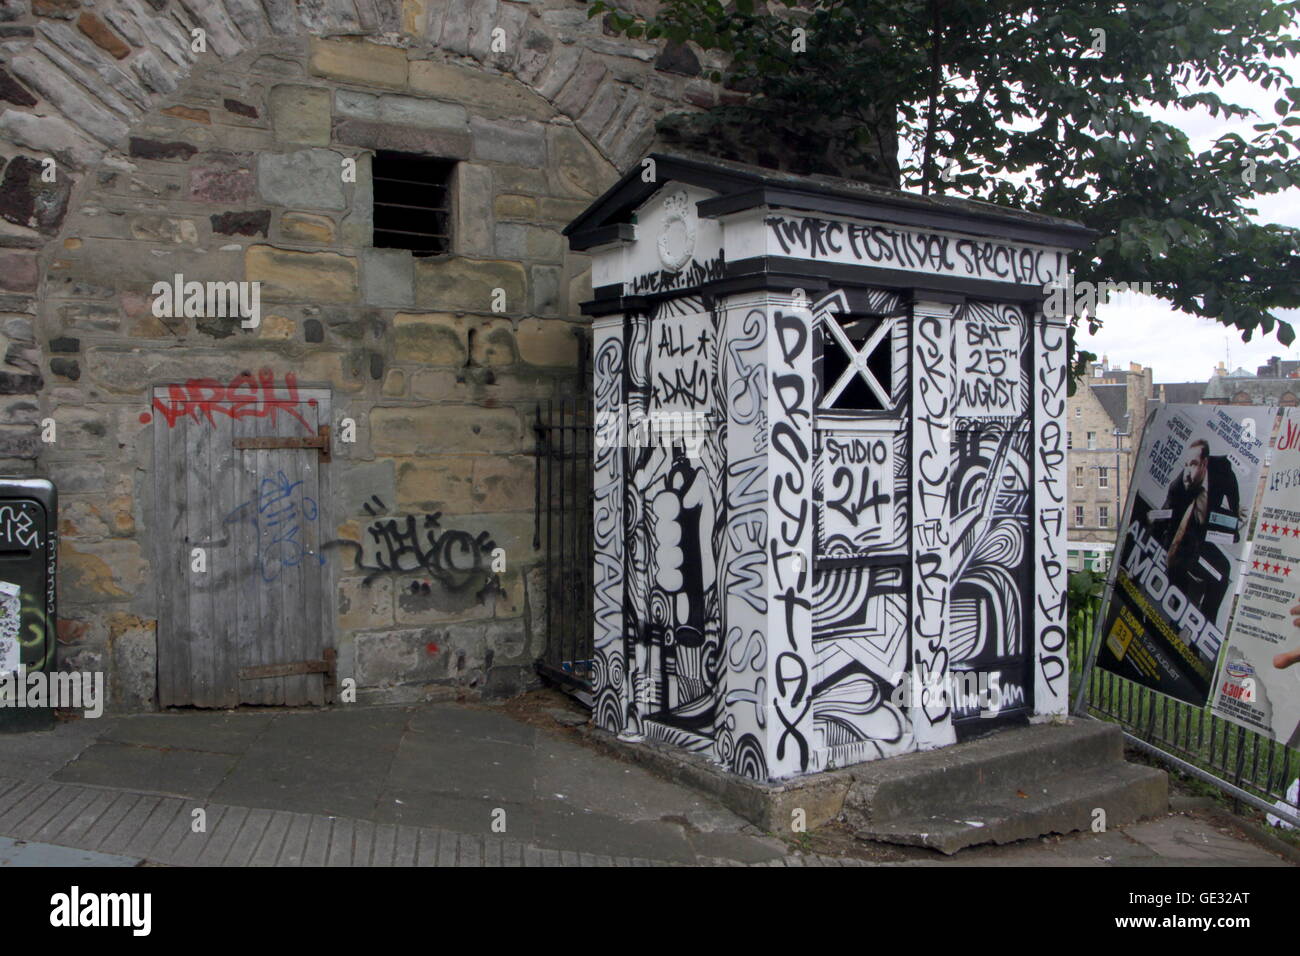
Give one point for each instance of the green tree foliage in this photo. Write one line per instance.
(1040, 106)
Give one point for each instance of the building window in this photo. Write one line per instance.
(1103, 516)
(1103, 477)
(412, 204)
(1092, 439)
(1078, 477)
(1078, 411)
(1078, 515)
(1069, 440)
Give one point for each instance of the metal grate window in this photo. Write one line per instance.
(412, 203)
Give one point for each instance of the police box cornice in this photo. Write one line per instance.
(761, 229)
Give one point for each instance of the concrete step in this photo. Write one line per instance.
(1059, 804)
(1011, 785)
(924, 784)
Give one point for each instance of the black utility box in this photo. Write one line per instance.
(29, 538)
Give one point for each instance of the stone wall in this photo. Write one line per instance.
(225, 165)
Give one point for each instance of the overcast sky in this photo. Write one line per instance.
(1177, 346)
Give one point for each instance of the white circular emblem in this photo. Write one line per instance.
(677, 236)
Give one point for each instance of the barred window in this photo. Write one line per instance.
(412, 204)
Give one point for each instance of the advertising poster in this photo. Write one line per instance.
(1180, 550)
(1259, 686)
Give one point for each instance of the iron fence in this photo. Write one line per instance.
(562, 531)
(1231, 754)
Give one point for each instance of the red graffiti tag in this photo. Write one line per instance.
(244, 397)
(1290, 437)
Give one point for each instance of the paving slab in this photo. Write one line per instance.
(305, 782)
(450, 721)
(462, 765)
(600, 833)
(331, 762)
(22, 853)
(188, 773)
(450, 811)
(125, 830)
(736, 846)
(576, 775)
(1190, 841)
(39, 755)
(224, 733)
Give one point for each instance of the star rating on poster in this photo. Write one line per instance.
(1268, 568)
(1281, 530)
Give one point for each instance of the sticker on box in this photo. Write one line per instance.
(11, 612)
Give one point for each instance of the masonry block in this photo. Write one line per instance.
(359, 61)
(285, 274)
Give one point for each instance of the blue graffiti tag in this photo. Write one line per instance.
(278, 512)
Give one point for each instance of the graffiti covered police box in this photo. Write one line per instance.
(1181, 547)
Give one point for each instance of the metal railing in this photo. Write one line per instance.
(1229, 755)
(562, 531)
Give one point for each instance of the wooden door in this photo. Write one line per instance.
(240, 499)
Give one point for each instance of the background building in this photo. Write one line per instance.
(1104, 425)
(1275, 383)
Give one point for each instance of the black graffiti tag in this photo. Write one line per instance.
(403, 544)
(691, 388)
(1051, 590)
(859, 486)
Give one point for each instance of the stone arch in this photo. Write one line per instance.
(139, 51)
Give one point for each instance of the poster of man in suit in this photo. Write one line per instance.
(1181, 544)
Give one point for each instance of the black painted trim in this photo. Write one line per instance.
(903, 562)
(601, 236)
(782, 274)
(918, 283)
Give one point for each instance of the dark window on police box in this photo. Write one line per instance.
(412, 205)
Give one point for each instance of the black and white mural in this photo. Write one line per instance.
(990, 511)
(823, 522)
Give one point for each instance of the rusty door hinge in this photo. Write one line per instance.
(321, 443)
(327, 666)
